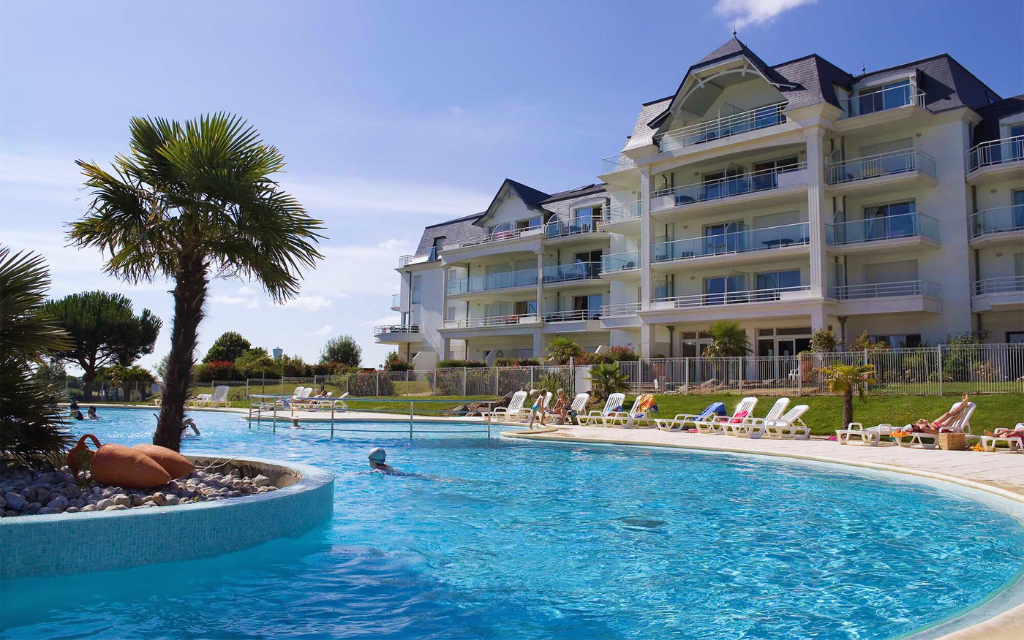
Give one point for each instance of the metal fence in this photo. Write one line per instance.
(945, 369)
(74, 389)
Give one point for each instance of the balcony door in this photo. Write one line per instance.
(718, 184)
(1018, 209)
(893, 220)
(723, 237)
(766, 174)
(497, 276)
(890, 96)
(589, 263)
(588, 306)
(725, 289)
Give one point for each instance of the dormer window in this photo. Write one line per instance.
(887, 96)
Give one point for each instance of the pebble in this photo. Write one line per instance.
(122, 500)
(104, 504)
(60, 503)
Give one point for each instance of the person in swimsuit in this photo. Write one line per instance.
(561, 406)
(377, 462)
(1016, 432)
(91, 414)
(943, 422)
(538, 409)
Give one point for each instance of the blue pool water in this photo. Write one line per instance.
(502, 539)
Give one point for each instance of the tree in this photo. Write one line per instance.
(844, 379)
(228, 347)
(561, 349)
(728, 340)
(342, 350)
(51, 371)
(31, 429)
(395, 362)
(824, 341)
(105, 331)
(257, 363)
(191, 202)
(606, 379)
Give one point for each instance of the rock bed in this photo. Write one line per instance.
(25, 492)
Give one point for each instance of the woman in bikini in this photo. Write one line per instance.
(943, 422)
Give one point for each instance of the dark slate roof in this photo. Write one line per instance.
(532, 197)
(988, 128)
(945, 83)
(732, 47)
(457, 230)
(579, 192)
(814, 78)
(642, 131)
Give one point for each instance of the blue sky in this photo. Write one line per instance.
(394, 115)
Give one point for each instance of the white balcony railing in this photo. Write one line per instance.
(396, 300)
(491, 321)
(995, 152)
(904, 225)
(395, 328)
(432, 255)
(620, 310)
(1008, 284)
(618, 162)
(881, 164)
(997, 220)
(885, 290)
(625, 261)
(622, 213)
(753, 120)
(570, 272)
(735, 242)
(578, 227)
(493, 282)
(576, 315)
(737, 185)
(884, 100)
(730, 297)
(498, 236)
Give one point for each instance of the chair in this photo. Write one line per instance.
(789, 426)
(1013, 443)
(677, 423)
(713, 426)
(525, 414)
(199, 400)
(753, 428)
(219, 397)
(963, 425)
(871, 436)
(579, 404)
(595, 417)
(642, 405)
(515, 405)
(315, 404)
(303, 399)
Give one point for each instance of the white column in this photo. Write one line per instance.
(446, 348)
(816, 208)
(538, 344)
(540, 288)
(646, 338)
(819, 320)
(646, 238)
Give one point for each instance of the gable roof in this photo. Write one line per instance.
(531, 198)
(578, 192)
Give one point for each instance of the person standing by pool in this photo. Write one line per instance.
(538, 409)
(378, 457)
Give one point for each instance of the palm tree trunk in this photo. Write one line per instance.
(189, 296)
(847, 408)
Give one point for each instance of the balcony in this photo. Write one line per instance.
(995, 160)
(700, 133)
(396, 301)
(579, 227)
(620, 262)
(572, 272)
(997, 225)
(894, 169)
(577, 315)
(622, 213)
(498, 236)
(393, 333)
(998, 294)
(879, 101)
(906, 228)
(746, 184)
(492, 321)
(431, 256)
(493, 282)
(618, 162)
(737, 242)
(747, 296)
(620, 310)
(885, 290)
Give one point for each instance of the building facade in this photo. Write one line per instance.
(786, 198)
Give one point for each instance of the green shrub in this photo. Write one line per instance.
(453, 363)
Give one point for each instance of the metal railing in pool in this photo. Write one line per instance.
(265, 407)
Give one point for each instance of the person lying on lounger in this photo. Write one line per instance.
(943, 422)
(1016, 432)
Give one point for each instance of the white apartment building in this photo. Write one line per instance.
(785, 198)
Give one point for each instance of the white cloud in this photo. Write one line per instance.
(322, 331)
(245, 290)
(250, 303)
(740, 13)
(309, 303)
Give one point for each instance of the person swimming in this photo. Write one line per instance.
(73, 406)
(91, 414)
(77, 415)
(189, 423)
(377, 462)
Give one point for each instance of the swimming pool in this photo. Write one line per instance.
(511, 539)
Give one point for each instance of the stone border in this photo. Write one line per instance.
(63, 544)
(998, 617)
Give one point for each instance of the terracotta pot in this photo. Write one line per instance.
(175, 464)
(118, 466)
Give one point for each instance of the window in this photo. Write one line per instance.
(499, 228)
(588, 306)
(769, 284)
(722, 289)
(417, 287)
(722, 237)
(435, 251)
(766, 173)
(893, 220)
(1015, 337)
(1018, 209)
(889, 96)
(584, 219)
(899, 341)
(526, 308)
(529, 223)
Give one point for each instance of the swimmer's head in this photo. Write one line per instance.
(378, 455)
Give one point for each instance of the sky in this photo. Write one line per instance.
(395, 115)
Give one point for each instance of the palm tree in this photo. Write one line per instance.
(843, 379)
(191, 202)
(728, 340)
(606, 379)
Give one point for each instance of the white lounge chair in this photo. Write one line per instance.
(515, 405)
(526, 412)
(753, 428)
(790, 426)
(579, 404)
(199, 400)
(1013, 443)
(339, 402)
(596, 417)
(715, 426)
(963, 425)
(321, 402)
(678, 422)
(634, 417)
(218, 398)
(303, 400)
(871, 436)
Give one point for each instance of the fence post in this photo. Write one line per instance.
(940, 370)
(377, 379)
(406, 382)
(741, 373)
(433, 383)
(531, 377)
(463, 380)
(686, 376)
(799, 376)
(495, 380)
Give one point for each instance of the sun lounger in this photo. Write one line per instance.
(639, 415)
(515, 405)
(614, 403)
(753, 428)
(321, 402)
(217, 398)
(871, 436)
(578, 406)
(1013, 443)
(931, 440)
(715, 426)
(199, 400)
(678, 422)
(790, 426)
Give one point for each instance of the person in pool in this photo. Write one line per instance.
(77, 415)
(377, 462)
(91, 414)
